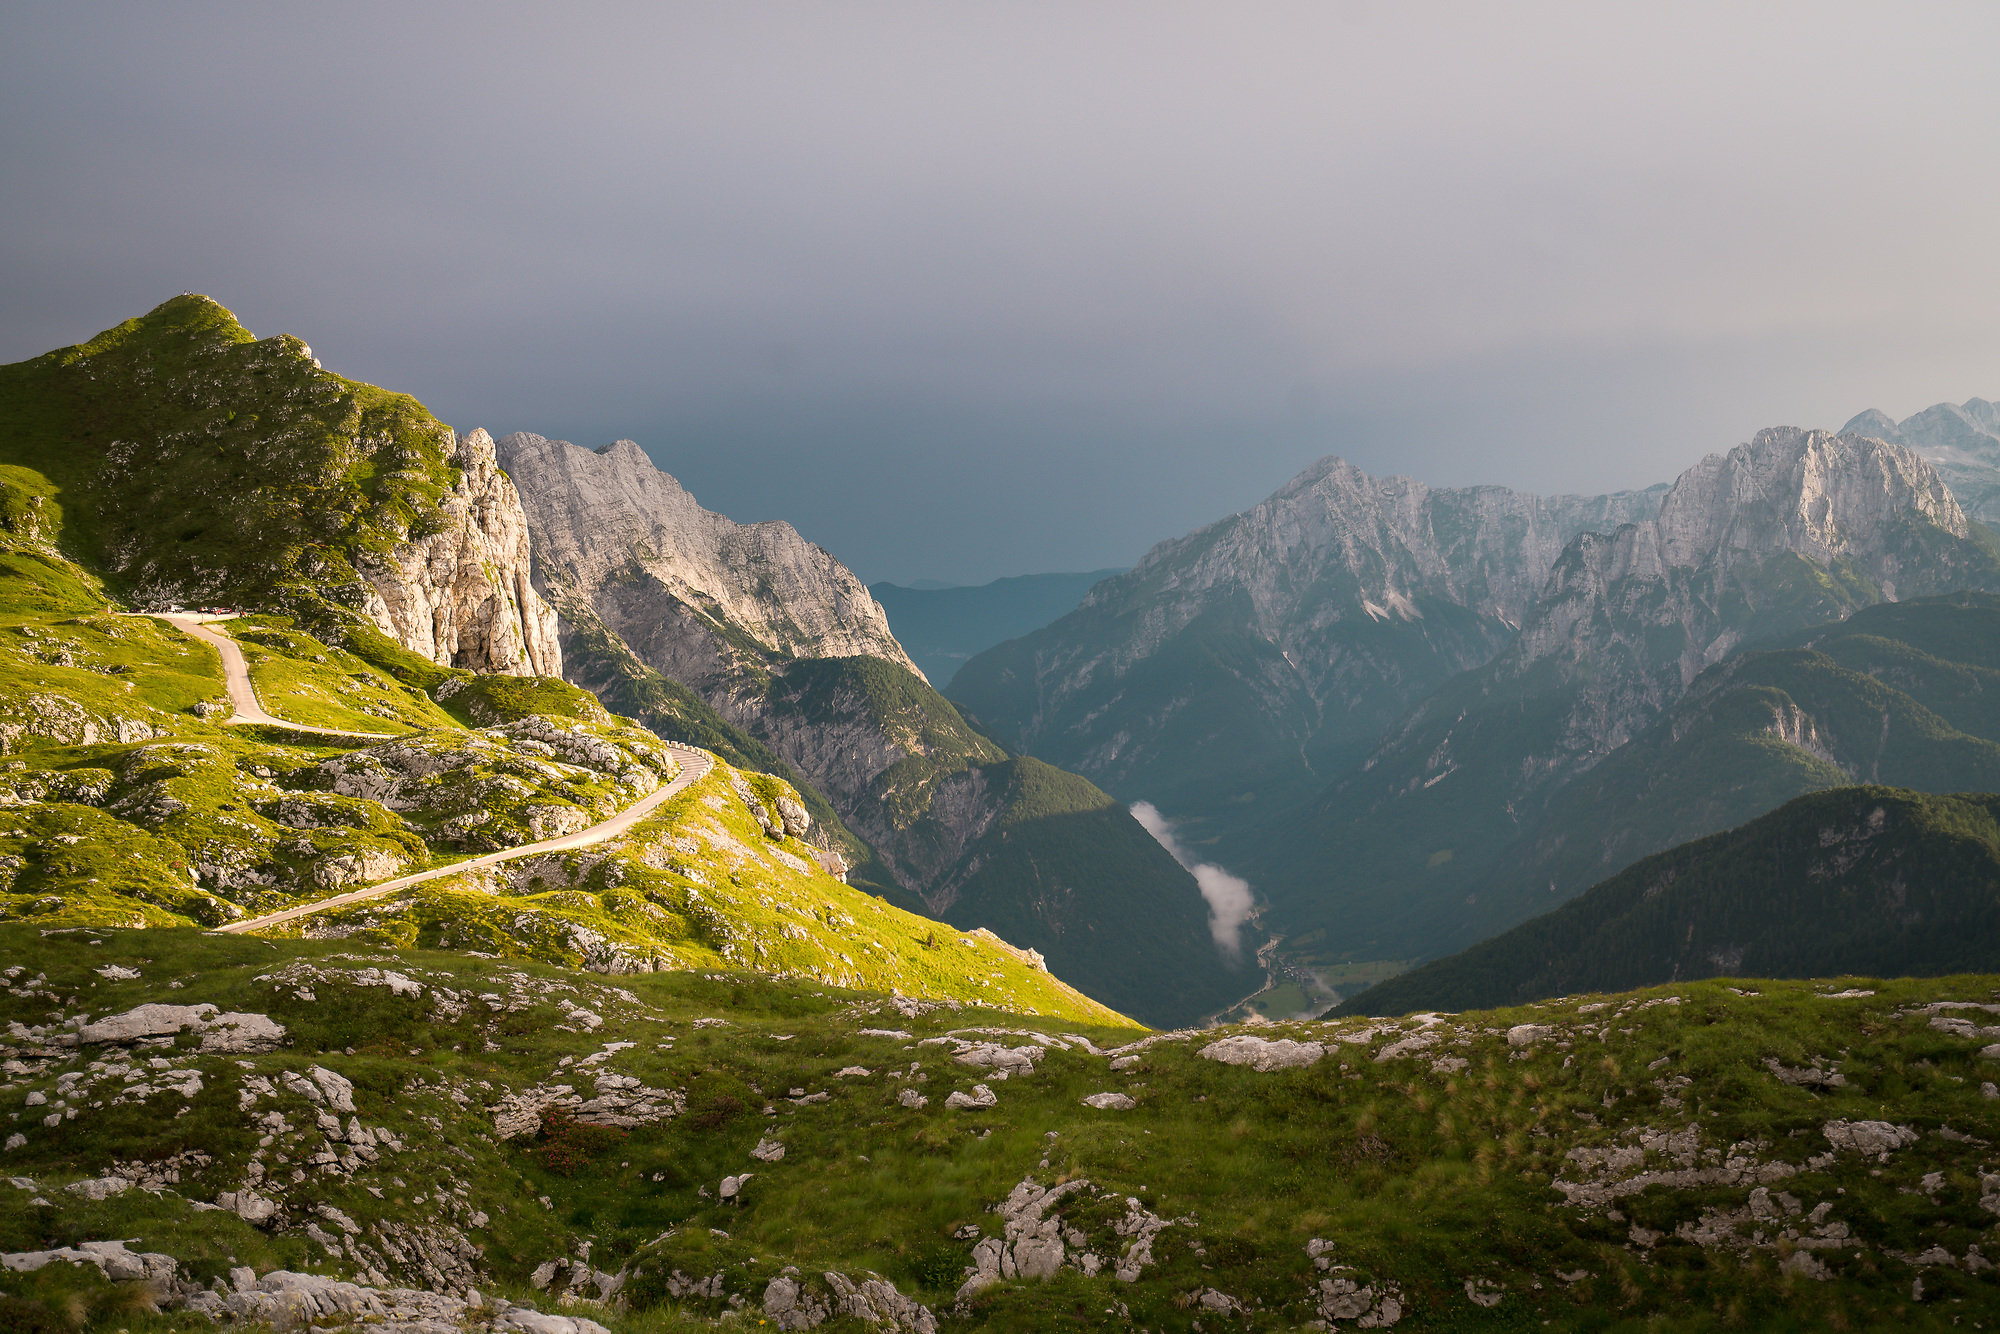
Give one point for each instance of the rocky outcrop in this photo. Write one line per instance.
(686, 587)
(1263, 1054)
(1961, 440)
(460, 590)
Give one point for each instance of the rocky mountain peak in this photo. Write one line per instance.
(1962, 440)
(1335, 541)
(1813, 493)
(604, 517)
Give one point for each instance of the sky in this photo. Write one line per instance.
(970, 290)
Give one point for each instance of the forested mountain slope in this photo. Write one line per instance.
(1869, 881)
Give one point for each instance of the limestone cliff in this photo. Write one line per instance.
(1234, 668)
(462, 593)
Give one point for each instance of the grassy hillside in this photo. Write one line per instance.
(192, 463)
(1774, 1156)
(1867, 880)
(128, 801)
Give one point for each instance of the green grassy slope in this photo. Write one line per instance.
(124, 800)
(1869, 880)
(193, 463)
(1652, 1161)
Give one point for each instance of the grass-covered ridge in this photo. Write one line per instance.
(194, 463)
(1775, 1156)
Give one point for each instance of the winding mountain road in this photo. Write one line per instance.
(236, 675)
(694, 766)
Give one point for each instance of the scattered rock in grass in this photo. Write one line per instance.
(1367, 1306)
(1526, 1035)
(1263, 1054)
(111, 1258)
(1806, 1076)
(1125, 1062)
(99, 1188)
(218, 1032)
(912, 1099)
(1483, 1291)
(981, 1096)
(768, 1151)
(1032, 1246)
(1003, 1061)
(790, 1305)
(1110, 1102)
(1868, 1137)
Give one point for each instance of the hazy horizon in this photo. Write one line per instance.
(966, 293)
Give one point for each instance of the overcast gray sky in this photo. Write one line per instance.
(967, 290)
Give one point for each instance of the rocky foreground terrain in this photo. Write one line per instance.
(203, 1128)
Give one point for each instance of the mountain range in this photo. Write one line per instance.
(458, 884)
(1375, 700)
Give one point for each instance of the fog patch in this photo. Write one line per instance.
(1228, 896)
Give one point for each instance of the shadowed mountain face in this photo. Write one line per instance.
(943, 627)
(1961, 440)
(752, 639)
(1869, 881)
(1234, 669)
(1794, 530)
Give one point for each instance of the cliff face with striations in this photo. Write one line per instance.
(1236, 667)
(462, 594)
(612, 527)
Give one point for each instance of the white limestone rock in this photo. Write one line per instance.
(981, 1096)
(1263, 1054)
(219, 1032)
(460, 593)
